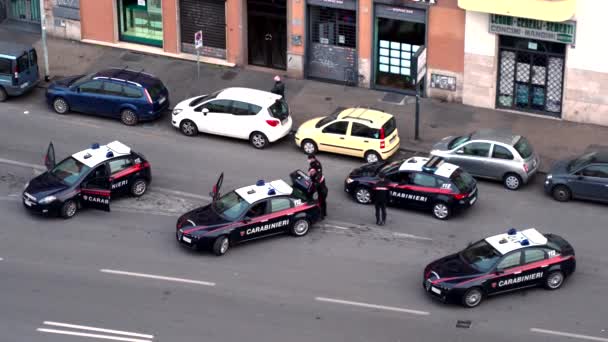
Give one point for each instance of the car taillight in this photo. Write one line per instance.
(526, 168)
(273, 123)
(16, 70)
(460, 196)
(148, 96)
(382, 144)
(382, 133)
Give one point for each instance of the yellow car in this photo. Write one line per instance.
(359, 132)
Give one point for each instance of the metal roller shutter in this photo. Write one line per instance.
(206, 15)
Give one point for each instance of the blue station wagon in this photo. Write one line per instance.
(18, 69)
(132, 96)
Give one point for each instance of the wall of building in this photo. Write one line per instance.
(98, 20)
(63, 18)
(170, 37)
(480, 46)
(586, 86)
(296, 37)
(446, 35)
(235, 12)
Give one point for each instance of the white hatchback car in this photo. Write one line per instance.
(259, 116)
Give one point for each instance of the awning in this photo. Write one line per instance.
(547, 10)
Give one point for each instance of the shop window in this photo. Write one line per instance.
(333, 26)
(141, 21)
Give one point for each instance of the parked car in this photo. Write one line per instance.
(18, 69)
(132, 96)
(492, 154)
(243, 113)
(359, 132)
(584, 177)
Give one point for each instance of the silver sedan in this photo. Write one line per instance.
(491, 154)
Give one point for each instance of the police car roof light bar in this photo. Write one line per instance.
(260, 182)
(271, 192)
(109, 154)
(525, 242)
(94, 146)
(512, 231)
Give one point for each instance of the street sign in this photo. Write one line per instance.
(420, 64)
(198, 39)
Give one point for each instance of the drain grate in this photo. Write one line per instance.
(393, 98)
(463, 324)
(229, 75)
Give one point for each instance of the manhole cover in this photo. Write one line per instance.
(229, 75)
(463, 324)
(393, 98)
(131, 57)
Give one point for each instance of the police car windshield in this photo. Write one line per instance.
(69, 171)
(231, 206)
(481, 255)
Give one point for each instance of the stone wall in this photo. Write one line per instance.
(479, 88)
(586, 97)
(63, 18)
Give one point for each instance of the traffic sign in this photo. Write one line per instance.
(198, 39)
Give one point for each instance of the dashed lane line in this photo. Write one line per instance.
(153, 276)
(410, 236)
(371, 306)
(98, 336)
(569, 335)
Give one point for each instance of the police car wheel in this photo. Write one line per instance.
(472, 297)
(68, 209)
(300, 227)
(363, 195)
(139, 187)
(60, 105)
(221, 245)
(554, 280)
(561, 193)
(309, 147)
(128, 117)
(258, 140)
(3, 95)
(512, 181)
(441, 210)
(372, 157)
(188, 128)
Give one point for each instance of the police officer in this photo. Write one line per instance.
(314, 163)
(279, 87)
(380, 199)
(321, 189)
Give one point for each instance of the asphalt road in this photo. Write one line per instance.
(316, 288)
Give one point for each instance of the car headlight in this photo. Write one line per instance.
(177, 111)
(26, 185)
(47, 200)
(349, 180)
(549, 176)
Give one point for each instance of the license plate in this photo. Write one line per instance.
(436, 290)
(28, 203)
(186, 239)
(162, 99)
(473, 200)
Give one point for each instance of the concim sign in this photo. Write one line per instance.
(562, 32)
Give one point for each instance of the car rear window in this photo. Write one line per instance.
(462, 180)
(279, 110)
(23, 63)
(155, 90)
(524, 148)
(389, 127)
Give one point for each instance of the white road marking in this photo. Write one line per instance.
(18, 163)
(182, 193)
(26, 112)
(1, 259)
(565, 334)
(105, 337)
(410, 236)
(152, 276)
(336, 227)
(86, 327)
(371, 306)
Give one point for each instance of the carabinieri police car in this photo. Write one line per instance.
(417, 182)
(499, 264)
(251, 212)
(87, 179)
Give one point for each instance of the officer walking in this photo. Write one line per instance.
(315, 172)
(380, 199)
(279, 87)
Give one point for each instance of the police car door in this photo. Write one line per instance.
(95, 189)
(398, 188)
(122, 174)
(254, 223)
(49, 158)
(506, 272)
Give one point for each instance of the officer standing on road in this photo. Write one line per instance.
(314, 163)
(380, 199)
(321, 189)
(279, 87)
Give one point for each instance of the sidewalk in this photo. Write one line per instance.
(553, 139)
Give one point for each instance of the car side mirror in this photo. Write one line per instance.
(461, 151)
(205, 111)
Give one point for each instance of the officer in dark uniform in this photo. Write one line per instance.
(380, 199)
(321, 189)
(279, 87)
(315, 164)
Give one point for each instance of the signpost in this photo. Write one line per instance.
(198, 45)
(420, 70)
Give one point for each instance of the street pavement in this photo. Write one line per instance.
(347, 280)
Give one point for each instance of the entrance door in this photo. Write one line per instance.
(267, 31)
(25, 10)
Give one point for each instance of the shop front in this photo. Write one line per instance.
(140, 21)
(267, 33)
(208, 16)
(531, 63)
(24, 10)
(332, 40)
(398, 34)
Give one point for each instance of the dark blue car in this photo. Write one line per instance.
(585, 177)
(132, 96)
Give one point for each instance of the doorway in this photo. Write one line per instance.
(267, 33)
(24, 10)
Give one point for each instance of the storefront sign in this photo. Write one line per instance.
(443, 82)
(141, 2)
(407, 2)
(401, 13)
(344, 4)
(562, 32)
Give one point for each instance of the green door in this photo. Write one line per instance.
(25, 10)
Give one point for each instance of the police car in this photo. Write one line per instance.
(249, 213)
(499, 264)
(87, 179)
(417, 182)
